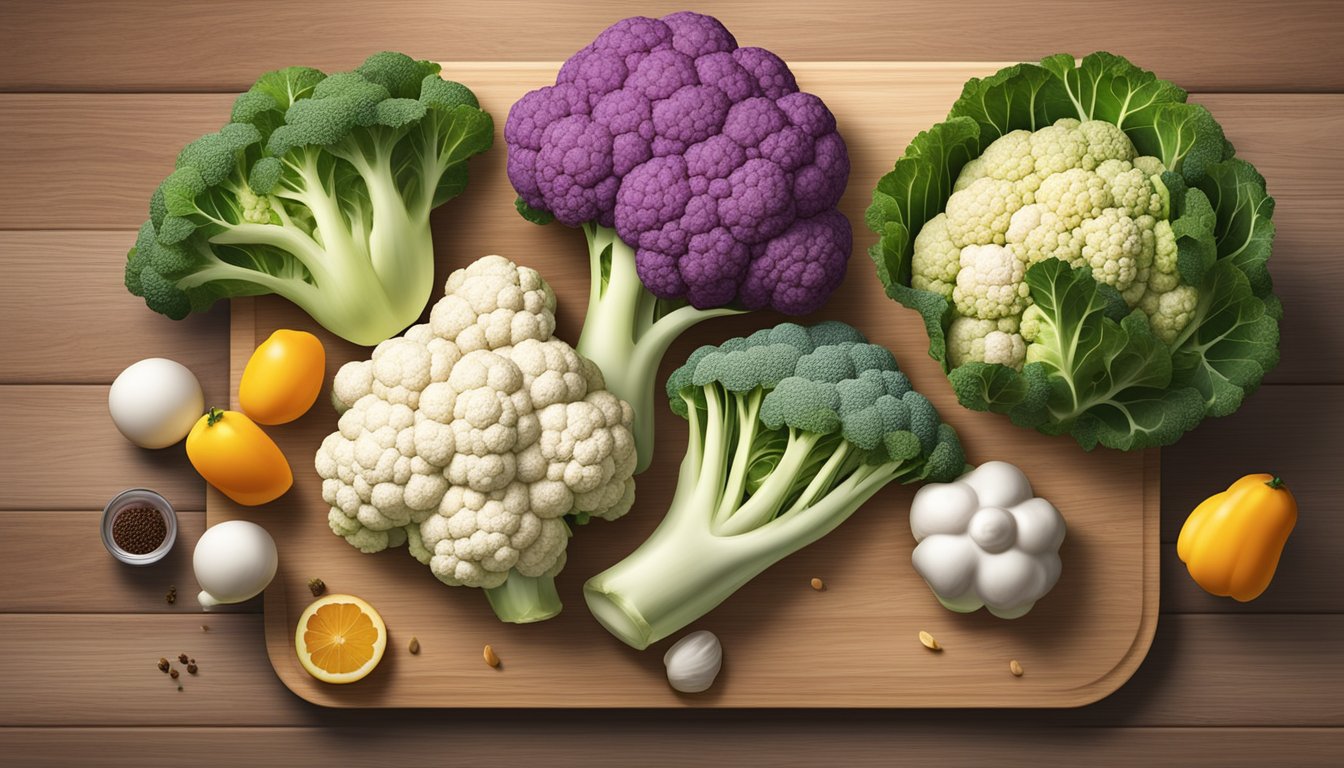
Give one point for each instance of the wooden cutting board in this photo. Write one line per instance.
(852, 645)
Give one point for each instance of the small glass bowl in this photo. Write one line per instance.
(139, 497)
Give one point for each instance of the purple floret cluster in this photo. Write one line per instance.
(704, 157)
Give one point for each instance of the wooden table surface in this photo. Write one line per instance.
(96, 98)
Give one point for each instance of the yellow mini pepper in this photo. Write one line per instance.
(1232, 541)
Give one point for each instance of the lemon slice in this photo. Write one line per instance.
(340, 638)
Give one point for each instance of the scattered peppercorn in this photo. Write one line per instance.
(192, 668)
(415, 646)
(205, 628)
(818, 584)
(182, 658)
(191, 661)
(163, 665)
(172, 673)
(171, 597)
(317, 586)
(139, 530)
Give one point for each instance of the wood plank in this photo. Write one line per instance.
(1285, 430)
(61, 451)
(72, 670)
(1307, 581)
(842, 740)
(1291, 45)
(1293, 147)
(54, 149)
(1282, 429)
(92, 161)
(109, 328)
(100, 669)
(67, 570)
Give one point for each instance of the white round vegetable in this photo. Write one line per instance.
(234, 561)
(694, 661)
(155, 402)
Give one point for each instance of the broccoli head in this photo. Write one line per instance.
(318, 190)
(792, 429)
(706, 183)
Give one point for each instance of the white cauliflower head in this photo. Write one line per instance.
(985, 540)
(472, 436)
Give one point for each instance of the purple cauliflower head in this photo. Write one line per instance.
(704, 157)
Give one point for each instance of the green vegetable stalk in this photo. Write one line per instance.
(318, 190)
(792, 429)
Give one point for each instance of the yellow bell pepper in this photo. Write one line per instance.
(1232, 541)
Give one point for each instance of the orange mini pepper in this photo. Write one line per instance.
(232, 453)
(1231, 543)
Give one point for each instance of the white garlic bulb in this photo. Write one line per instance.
(694, 661)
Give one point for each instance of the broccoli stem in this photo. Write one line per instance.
(689, 565)
(525, 599)
(627, 330)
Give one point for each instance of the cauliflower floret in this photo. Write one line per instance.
(1074, 195)
(1164, 276)
(1170, 312)
(979, 214)
(936, 259)
(989, 285)
(987, 341)
(471, 437)
(1060, 147)
(1111, 247)
(1149, 165)
(1041, 234)
(1105, 141)
(970, 172)
(1009, 157)
(1131, 189)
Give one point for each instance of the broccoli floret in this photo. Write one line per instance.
(318, 190)
(792, 429)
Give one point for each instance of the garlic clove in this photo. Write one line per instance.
(693, 662)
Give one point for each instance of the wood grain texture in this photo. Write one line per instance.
(144, 45)
(61, 451)
(1203, 670)
(47, 137)
(1110, 604)
(688, 745)
(109, 328)
(67, 570)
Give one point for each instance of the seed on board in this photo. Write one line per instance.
(205, 627)
(415, 646)
(928, 641)
(172, 673)
(171, 596)
(163, 665)
(317, 586)
(490, 656)
(818, 584)
(182, 658)
(192, 668)
(1015, 668)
